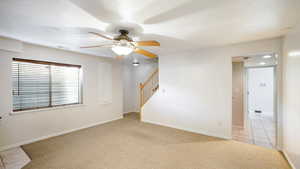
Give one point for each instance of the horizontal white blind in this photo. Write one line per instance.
(44, 85)
(31, 86)
(65, 85)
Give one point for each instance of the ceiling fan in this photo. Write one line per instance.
(123, 45)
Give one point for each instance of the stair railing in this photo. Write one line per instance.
(149, 87)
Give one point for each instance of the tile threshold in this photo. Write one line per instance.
(14, 158)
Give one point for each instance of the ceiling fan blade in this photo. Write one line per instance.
(102, 36)
(144, 52)
(119, 57)
(97, 46)
(147, 43)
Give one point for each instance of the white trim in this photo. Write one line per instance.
(288, 159)
(245, 96)
(55, 134)
(190, 130)
(47, 109)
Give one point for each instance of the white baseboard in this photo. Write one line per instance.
(190, 130)
(288, 159)
(55, 134)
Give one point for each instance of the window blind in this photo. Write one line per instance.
(65, 85)
(38, 84)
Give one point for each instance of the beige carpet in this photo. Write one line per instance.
(130, 144)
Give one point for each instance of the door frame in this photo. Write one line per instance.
(275, 100)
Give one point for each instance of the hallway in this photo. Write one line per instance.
(259, 130)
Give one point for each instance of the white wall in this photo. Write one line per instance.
(98, 106)
(195, 91)
(10, 45)
(129, 95)
(261, 90)
(132, 77)
(291, 97)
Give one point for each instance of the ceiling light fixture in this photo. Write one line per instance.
(122, 50)
(135, 62)
(123, 44)
(267, 56)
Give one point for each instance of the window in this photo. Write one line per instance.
(39, 84)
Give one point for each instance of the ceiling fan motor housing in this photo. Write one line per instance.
(123, 36)
(123, 32)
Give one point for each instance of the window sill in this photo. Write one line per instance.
(47, 109)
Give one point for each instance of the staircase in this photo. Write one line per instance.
(148, 88)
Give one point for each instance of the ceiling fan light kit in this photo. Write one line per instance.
(122, 50)
(124, 45)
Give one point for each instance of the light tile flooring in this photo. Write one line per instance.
(14, 158)
(259, 130)
(1, 164)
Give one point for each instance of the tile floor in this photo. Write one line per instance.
(14, 158)
(1, 164)
(259, 130)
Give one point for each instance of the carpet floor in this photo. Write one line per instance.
(131, 144)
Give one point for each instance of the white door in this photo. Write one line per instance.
(261, 91)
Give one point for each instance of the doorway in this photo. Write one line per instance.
(254, 100)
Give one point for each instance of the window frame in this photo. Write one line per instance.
(80, 84)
